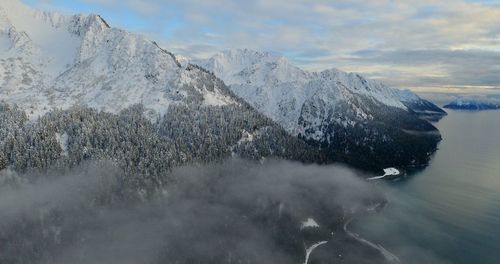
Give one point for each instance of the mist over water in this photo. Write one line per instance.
(449, 212)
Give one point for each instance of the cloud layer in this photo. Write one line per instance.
(233, 212)
(380, 38)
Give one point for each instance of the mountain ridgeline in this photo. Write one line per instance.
(77, 71)
(355, 120)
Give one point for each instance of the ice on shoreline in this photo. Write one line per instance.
(387, 172)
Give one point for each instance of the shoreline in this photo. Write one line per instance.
(388, 173)
(389, 256)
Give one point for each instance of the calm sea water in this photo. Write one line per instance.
(450, 212)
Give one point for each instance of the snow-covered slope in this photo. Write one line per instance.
(280, 90)
(422, 107)
(268, 82)
(48, 60)
(353, 117)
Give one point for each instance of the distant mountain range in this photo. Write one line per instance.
(474, 103)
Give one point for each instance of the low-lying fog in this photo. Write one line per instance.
(233, 212)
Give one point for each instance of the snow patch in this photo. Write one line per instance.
(216, 99)
(391, 171)
(387, 172)
(62, 139)
(309, 223)
(247, 137)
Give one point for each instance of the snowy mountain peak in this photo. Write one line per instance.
(238, 65)
(83, 24)
(342, 113)
(49, 60)
(14, 13)
(37, 37)
(272, 84)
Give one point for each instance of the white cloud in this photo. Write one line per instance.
(323, 33)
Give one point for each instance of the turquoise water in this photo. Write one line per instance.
(449, 212)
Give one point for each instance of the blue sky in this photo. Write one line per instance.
(423, 45)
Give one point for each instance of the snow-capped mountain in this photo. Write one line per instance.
(48, 60)
(280, 89)
(474, 103)
(342, 111)
(72, 89)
